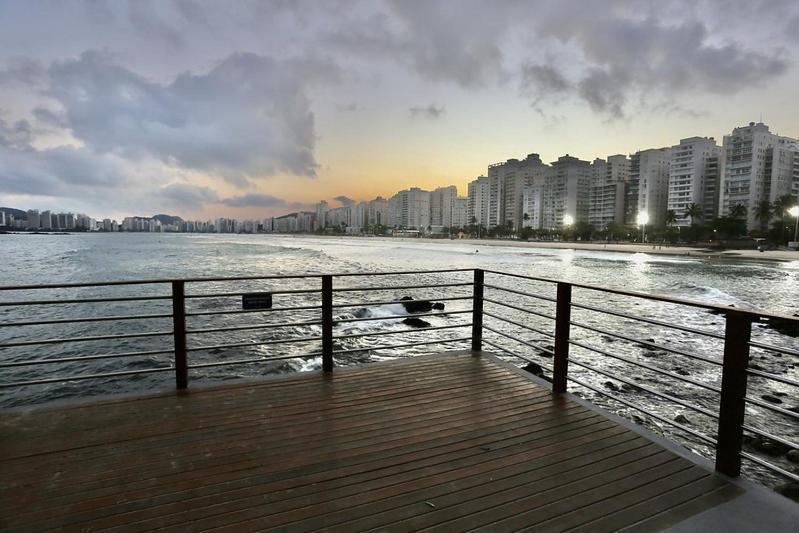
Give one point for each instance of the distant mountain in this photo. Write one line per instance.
(18, 214)
(168, 219)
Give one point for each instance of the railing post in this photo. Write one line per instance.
(327, 323)
(562, 319)
(737, 333)
(179, 333)
(477, 310)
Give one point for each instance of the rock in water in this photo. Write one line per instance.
(681, 419)
(416, 322)
(438, 306)
(612, 386)
(534, 368)
(416, 306)
(771, 398)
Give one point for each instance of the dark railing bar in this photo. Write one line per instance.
(408, 345)
(400, 287)
(602, 310)
(163, 281)
(258, 326)
(522, 293)
(232, 294)
(654, 297)
(392, 302)
(514, 354)
(89, 376)
(655, 369)
(256, 360)
(765, 405)
(774, 377)
(769, 436)
(399, 317)
(524, 326)
(786, 351)
(642, 410)
(769, 466)
(86, 339)
(262, 343)
(398, 332)
(243, 311)
(526, 343)
(77, 359)
(85, 300)
(646, 343)
(522, 309)
(644, 388)
(81, 320)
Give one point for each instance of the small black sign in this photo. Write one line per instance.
(256, 300)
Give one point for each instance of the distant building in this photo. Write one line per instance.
(410, 209)
(45, 220)
(377, 212)
(566, 192)
(693, 174)
(507, 182)
(608, 185)
(34, 219)
(648, 190)
(756, 166)
(477, 202)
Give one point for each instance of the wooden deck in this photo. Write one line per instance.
(451, 442)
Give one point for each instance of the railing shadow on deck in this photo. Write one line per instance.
(487, 316)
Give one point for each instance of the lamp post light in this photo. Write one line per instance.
(643, 219)
(568, 220)
(794, 212)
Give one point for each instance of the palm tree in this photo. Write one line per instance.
(671, 217)
(764, 212)
(738, 211)
(781, 206)
(694, 212)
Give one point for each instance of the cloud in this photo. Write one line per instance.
(431, 112)
(261, 200)
(540, 82)
(348, 107)
(343, 200)
(186, 196)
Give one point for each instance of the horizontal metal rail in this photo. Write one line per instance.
(764, 434)
(400, 331)
(652, 321)
(786, 351)
(770, 466)
(522, 293)
(401, 287)
(622, 401)
(520, 341)
(648, 367)
(254, 360)
(519, 324)
(514, 354)
(774, 408)
(522, 309)
(260, 343)
(401, 317)
(82, 320)
(407, 345)
(647, 343)
(88, 376)
(775, 377)
(33, 362)
(85, 300)
(233, 294)
(247, 311)
(653, 297)
(87, 339)
(393, 302)
(646, 389)
(256, 326)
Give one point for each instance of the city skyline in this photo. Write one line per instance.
(203, 111)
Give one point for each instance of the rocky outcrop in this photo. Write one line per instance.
(420, 306)
(416, 322)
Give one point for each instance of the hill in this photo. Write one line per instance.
(18, 214)
(168, 219)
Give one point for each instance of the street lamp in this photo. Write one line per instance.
(643, 218)
(568, 220)
(794, 212)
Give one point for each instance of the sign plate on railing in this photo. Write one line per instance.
(256, 300)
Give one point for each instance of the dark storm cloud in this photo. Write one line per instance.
(431, 112)
(261, 200)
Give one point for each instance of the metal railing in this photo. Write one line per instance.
(490, 326)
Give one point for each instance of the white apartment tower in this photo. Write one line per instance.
(608, 182)
(442, 206)
(756, 166)
(566, 191)
(648, 189)
(507, 183)
(477, 204)
(693, 174)
(410, 209)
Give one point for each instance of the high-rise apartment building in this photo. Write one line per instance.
(756, 166)
(459, 213)
(442, 206)
(566, 192)
(692, 174)
(507, 183)
(410, 209)
(648, 189)
(608, 184)
(477, 204)
(34, 219)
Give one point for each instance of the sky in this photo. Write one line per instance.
(250, 109)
